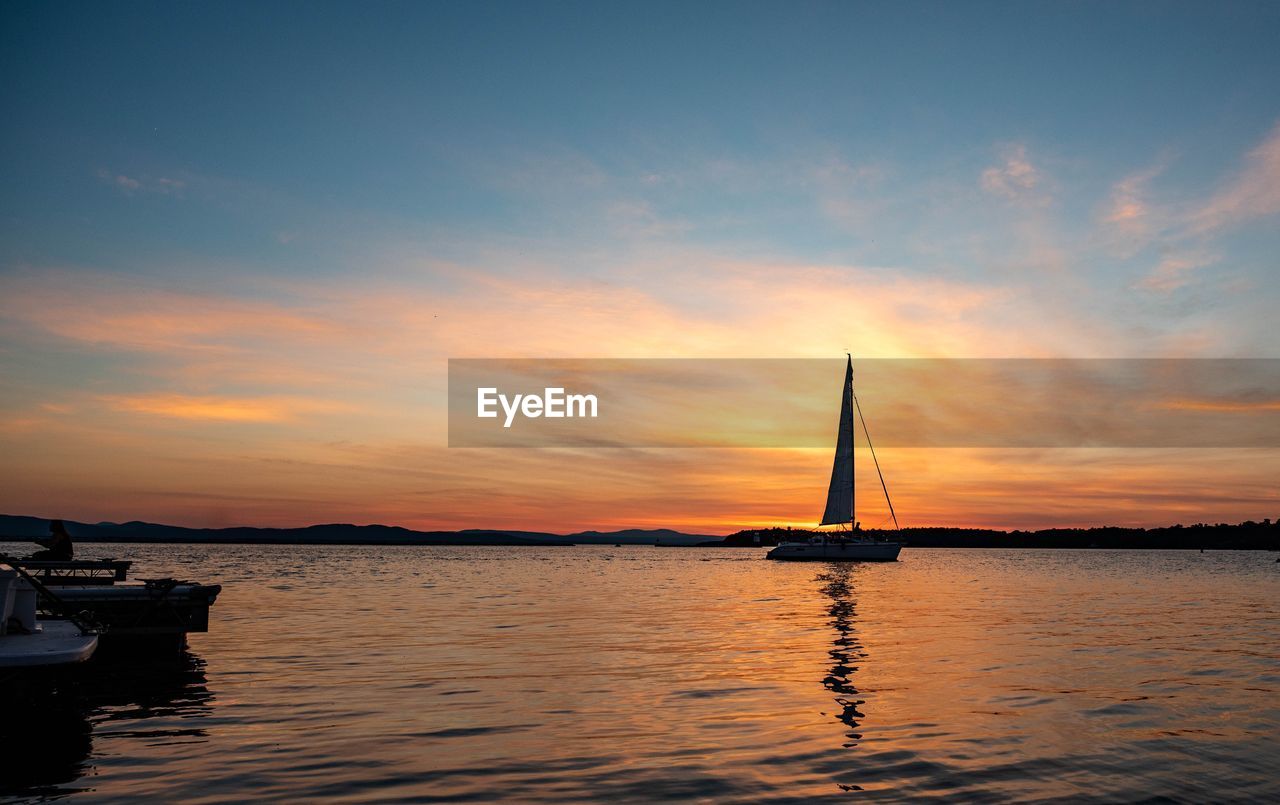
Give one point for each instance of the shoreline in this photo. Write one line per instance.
(1249, 535)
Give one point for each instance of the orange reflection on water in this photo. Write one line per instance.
(638, 672)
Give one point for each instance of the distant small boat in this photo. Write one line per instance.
(852, 545)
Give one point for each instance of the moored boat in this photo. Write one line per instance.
(27, 642)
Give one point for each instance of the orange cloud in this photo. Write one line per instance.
(1225, 406)
(344, 382)
(703, 491)
(220, 409)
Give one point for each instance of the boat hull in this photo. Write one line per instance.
(52, 643)
(836, 552)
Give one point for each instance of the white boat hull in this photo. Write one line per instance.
(52, 643)
(836, 551)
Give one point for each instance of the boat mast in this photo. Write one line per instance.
(853, 451)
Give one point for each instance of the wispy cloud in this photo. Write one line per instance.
(632, 218)
(1128, 214)
(123, 312)
(1254, 192)
(130, 185)
(1015, 178)
(1175, 271)
(1187, 235)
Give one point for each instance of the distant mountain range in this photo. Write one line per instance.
(20, 528)
(1248, 535)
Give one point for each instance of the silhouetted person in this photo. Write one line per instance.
(57, 546)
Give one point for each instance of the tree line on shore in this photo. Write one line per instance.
(1249, 535)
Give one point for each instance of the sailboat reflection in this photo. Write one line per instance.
(49, 734)
(845, 653)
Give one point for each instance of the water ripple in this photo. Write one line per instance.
(382, 674)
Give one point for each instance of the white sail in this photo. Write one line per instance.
(840, 493)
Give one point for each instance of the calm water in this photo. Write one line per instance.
(587, 674)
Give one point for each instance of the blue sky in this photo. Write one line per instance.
(404, 112)
(262, 228)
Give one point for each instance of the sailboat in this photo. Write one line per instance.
(852, 545)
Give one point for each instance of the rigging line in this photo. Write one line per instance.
(877, 462)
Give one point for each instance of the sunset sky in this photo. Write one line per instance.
(240, 241)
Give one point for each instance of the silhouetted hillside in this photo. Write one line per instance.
(23, 528)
